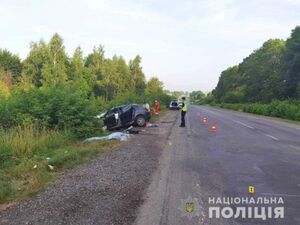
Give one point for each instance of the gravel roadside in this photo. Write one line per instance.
(107, 190)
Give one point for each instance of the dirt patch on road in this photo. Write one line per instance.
(107, 190)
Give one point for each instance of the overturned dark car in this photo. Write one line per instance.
(126, 115)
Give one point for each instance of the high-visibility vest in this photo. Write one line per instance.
(185, 107)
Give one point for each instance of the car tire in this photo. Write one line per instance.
(140, 121)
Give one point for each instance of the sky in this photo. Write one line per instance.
(185, 43)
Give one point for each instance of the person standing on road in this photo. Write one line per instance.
(183, 112)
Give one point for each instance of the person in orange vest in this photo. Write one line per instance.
(156, 107)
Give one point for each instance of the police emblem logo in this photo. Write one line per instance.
(189, 207)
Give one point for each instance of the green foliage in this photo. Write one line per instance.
(4, 89)
(24, 141)
(291, 67)
(235, 96)
(59, 92)
(282, 109)
(271, 72)
(33, 64)
(54, 71)
(63, 108)
(76, 70)
(26, 153)
(197, 97)
(154, 86)
(54, 104)
(126, 98)
(228, 82)
(137, 75)
(6, 190)
(10, 63)
(176, 94)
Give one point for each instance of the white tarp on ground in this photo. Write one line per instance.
(114, 136)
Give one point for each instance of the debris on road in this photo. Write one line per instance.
(51, 167)
(151, 125)
(132, 130)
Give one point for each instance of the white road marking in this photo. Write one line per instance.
(270, 136)
(245, 125)
(295, 147)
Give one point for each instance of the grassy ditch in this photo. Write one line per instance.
(281, 109)
(31, 157)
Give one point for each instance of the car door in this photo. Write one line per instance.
(110, 119)
(127, 115)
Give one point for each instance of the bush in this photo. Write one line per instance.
(62, 108)
(126, 98)
(131, 97)
(282, 109)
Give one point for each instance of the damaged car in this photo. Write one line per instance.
(126, 115)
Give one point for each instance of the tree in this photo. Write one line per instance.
(197, 97)
(125, 79)
(229, 80)
(94, 64)
(154, 86)
(256, 79)
(10, 63)
(76, 70)
(33, 64)
(137, 75)
(6, 82)
(260, 72)
(110, 80)
(54, 71)
(291, 66)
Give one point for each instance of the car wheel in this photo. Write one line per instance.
(140, 121)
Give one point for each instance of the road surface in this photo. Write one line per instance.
(245, 150)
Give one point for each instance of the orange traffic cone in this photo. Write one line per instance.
(213, 128)
(204, 121)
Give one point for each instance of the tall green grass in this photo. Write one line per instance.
(23, 141)
(27, 151)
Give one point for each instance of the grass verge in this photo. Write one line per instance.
(32, 157)
(273, 118)
(289, 110)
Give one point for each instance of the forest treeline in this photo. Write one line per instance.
(266, 82)
(48, 65)
(62, 92)
(270, 72)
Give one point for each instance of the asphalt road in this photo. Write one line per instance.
(198, 164)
